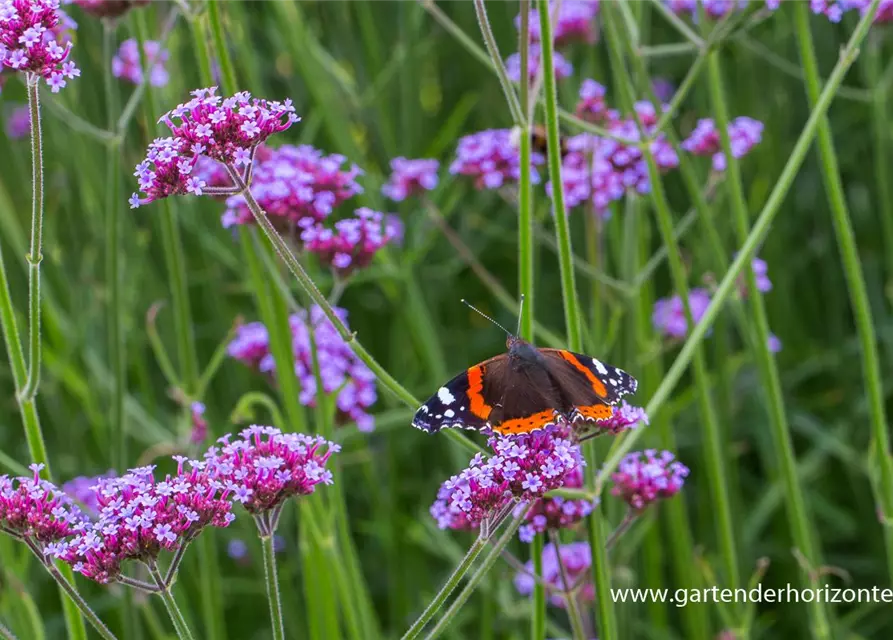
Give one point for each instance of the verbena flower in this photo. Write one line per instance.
(491, 158)
(744, 134)
(109, 8)
(227, 130)
(576, 559)
(624, 418)
(18, 122)
(128, 65)
(353, 242)
(575, 21)
(668, 316)
(592, 106)
(831, 9)
(556, 512)
(629, 161)
(139, 517)
(588, 175)
(296, 183)
(761, 273)
(263, 467)
(643, 477)
(409, 177)
(774, 343)
(521, 468)
(36, 509)
(563, 68)
(663, 89)
(82, 490)
(32, 40)
(341, 371)
(713, 9)
(199, 432)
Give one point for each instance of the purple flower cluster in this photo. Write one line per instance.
(18, 122)
(563, 68)
(521, 468)
(713, 9)
(227, 130)
(293, 184)
(556, 512)
(265, 467)
(409, 177)
(109, 8)
(625, 417)
(744, 134)
(199, 432)
(353, 242)
(761, 274)
(33, 40)
(668, 316)
(340, 369)
(576, 562)
(834, 9)
(575, 21)
(592, 106)
(83, 491)
(36, 510)
(139, 516)
(127, 63)
(492, 159)
(643, 477)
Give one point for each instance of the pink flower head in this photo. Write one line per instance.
(831, 9)
(744, 134)
(227, 130)
(18, 122)
(563, 68)
(409, 177)
(293, 184)
(199, 424)
(109, 8)
(491, 158)
(140, 516)
(127, 63)
(264, 467)
(522, 468)
(251, 344)
(36, 509)
(669, 313)
(589, 176)
(83, 491)
(625, 417)
(556, 512)
(643, 477)
(353, 242)
(576, 562)
(592, 106)
(33, 40)
(575, 21)
(629, 161)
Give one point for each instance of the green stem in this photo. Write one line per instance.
(525, 191)
(562, 231)
(601, 563)
(852, 267)
(272, 582)
(176, 616)
(452, 582)
(538, 623)
(571, 601)
(226, 66)
(35, 255)
(728, 284)
(81, 604)
(518, 115)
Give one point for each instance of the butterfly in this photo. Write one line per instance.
(525, 389)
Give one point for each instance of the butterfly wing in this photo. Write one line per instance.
(585, 381)
(530, 401)
(466, 401)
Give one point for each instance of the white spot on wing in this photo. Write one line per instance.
(444, 395)
(613, 382)
(449, 413)
(599, 367)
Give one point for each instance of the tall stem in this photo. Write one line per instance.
(79, 601)
(176, 616)
(538, 622)
(35, 254)
(525, 191)
(273, 587)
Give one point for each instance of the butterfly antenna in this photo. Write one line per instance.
(473, 308)
(520, 315)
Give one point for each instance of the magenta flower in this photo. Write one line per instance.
(340, 369)
(576, 560)
(522, 468)
(774, 343)
(556, 512)
(199, 431)
(353, 242)
(140, 516)
(713, 9)
(491, 158)
(18, 122)
(663, 89)
(109, 8)
(761, 273)
(35, 510)
(82, 490)
(575, 21)
(32, 40)
(264, 467)
(831, 9)
(744, 134)
(669, 313)
(563, 68)
(127, 63)
(592, 106)
(226, 130)
(588, 175)
(409, 177)
(643, 477)
(630, 162)
(625, 417)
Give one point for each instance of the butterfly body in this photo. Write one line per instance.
(524, 390)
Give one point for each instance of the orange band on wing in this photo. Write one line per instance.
(478, 406)
(525, 425)
(597, 385)
(596, 412)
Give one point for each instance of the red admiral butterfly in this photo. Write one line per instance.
(524, 390)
